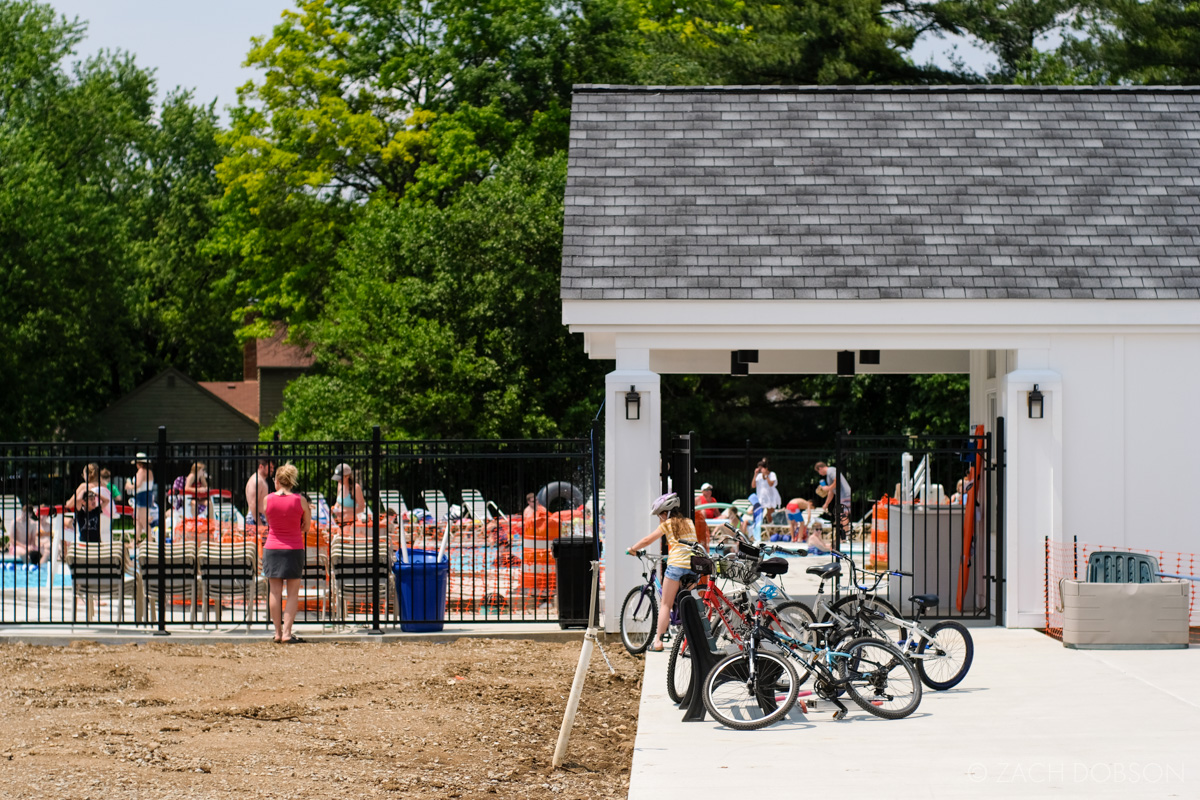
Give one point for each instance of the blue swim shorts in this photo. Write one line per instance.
(677, 573)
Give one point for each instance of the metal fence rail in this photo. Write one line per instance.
(167, 537)
(912, 508)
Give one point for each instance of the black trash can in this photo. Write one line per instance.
(573, 565)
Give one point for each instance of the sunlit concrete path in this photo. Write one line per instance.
(1032, 719)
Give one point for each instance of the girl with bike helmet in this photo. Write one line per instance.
(681, 534)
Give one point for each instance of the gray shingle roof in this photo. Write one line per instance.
(883, 192)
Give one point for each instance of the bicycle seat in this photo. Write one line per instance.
(773, 567)
(826, 571)
(924, 600)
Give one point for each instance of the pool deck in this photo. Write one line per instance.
(1031, 719)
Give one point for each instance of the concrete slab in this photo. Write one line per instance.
(1032, 719)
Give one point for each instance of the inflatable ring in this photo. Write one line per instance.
(560, 490)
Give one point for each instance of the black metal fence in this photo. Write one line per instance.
(925, 505)
(168, 536)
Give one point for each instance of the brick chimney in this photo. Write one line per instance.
(250, 360)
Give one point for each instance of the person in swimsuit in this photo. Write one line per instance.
(142, 490)
(349, 503)
(257, 489)
(88, 510)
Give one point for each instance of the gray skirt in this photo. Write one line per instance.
(286, 564)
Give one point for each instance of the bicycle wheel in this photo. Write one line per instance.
(868, 621)
(739, 702)
(679, 669)
(639, 615)
(943, 660)
(791, 618)
(879, 678)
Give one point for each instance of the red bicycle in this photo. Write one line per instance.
(729, 614)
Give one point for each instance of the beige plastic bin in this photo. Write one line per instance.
(1111, 616)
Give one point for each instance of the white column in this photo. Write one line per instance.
(1034, 502)
(631, 474)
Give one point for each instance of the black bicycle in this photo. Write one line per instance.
(758, 686)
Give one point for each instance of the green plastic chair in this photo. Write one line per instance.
(1113, 566)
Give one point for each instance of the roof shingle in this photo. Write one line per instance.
(873, 192)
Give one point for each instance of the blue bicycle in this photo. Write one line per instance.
(639, 611)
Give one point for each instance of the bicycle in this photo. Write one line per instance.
(942, 652)
(726, 614)
(639, 610)
(743, 691)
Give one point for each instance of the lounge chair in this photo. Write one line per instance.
(316, 579)
(391, 499)
(223, 510)
(319, 508)
(353, 576)
(435, 503)
(476, 507)
(228, 570)
(177, 571)
(103, 570)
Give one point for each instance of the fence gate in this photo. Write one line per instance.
(929, 505)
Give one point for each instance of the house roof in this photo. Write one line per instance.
(242, 395)
(877, 192)
(276, 352)
(181, 378)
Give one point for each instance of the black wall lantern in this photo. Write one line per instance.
(1036, 403)
(633, 404)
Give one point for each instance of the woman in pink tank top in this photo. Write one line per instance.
(288, 518)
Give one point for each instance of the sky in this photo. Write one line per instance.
(201, 46)
(198, 46)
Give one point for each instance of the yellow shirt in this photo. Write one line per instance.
(680, 533)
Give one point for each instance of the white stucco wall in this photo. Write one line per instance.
(1124, 404)
(1116, 460)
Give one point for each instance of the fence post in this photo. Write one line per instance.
(595, 605)
(1000, 519)
(160, 466)
(376, 460)
(835, 490)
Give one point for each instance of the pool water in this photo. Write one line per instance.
(18, 575)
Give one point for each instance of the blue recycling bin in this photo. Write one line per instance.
(421, 586)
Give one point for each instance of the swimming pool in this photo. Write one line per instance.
(19, 575)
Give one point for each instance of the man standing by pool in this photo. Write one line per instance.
(832, 479)
(257, 489)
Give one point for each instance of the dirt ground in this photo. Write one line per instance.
(477, 718)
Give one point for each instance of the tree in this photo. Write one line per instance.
(104, 203)
(183, 298)
(809, 410)
(769, 42)
(1011, 29)
(446, 322)
(368, 101)
(69, 173)
(1156, 41)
